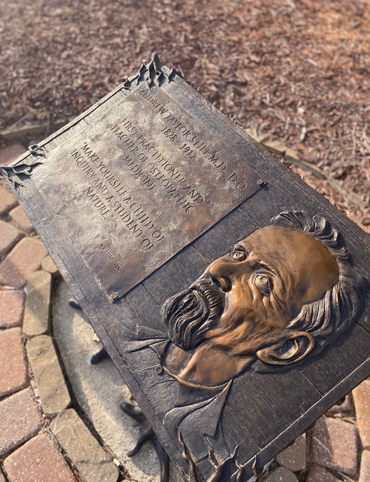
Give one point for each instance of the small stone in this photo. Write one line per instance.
(7, 200)
(365, 467)
(20, 219)
(2, 478)
(319, 474)
(13, 372)
(19, 420)
(11, 308)
(10, 153)
(38, 460)
(47, 264)
(281, 475)
(51, 387)
(334, 445)
(37, 309)
(91, 460)
(295, 456)
(23, 259)
(344, 406)
(9, 235)
(361, 398)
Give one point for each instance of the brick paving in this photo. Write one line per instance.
(13, 370)
(7, 201)
(365, 467)
(38, 460)
(334, 445)
(20, 418)
(36, 430)
(361, 397)
(23, 259)
(11, 308)
(37, 309)
(33, 392)
(9, 235)
(20, 220)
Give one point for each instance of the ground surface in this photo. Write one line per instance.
(293, 72)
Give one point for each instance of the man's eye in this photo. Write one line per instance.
(238, 255)
(263, 283)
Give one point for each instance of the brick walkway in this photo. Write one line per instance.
(42, 436)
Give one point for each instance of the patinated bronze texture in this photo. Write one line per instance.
(283, 291)
(136, 199)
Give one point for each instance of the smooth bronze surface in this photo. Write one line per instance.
(283, 290)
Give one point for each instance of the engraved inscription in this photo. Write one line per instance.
(141, 183)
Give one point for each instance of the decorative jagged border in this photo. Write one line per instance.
(150, 73)
(20, 172)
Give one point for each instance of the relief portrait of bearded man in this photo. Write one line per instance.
(282, 294)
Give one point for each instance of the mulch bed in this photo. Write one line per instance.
(293, 72)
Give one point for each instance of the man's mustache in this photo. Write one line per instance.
(189, 314)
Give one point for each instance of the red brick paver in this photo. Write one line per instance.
(38, 460)
(7, 200)
(319, 474)
(9, 235)
(13, 372)
(21, 262)
(365, 467)
(334, 445)
(20, 219)
(361, 397)
(19, 420)
(11, 308)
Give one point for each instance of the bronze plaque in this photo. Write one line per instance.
(140, 183)
(244, 313)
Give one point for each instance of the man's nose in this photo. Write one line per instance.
(221, 274)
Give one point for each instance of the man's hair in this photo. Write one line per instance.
(333, 314)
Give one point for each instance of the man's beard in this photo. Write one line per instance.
(189, 314)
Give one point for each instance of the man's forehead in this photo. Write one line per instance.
(272, 237)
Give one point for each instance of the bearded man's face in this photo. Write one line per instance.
(246, 299)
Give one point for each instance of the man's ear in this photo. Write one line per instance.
(292, 349)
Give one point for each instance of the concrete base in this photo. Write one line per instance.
(99, 390)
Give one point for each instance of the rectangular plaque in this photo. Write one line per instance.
(139, 183)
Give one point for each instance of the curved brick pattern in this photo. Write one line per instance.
(20, 219)
(319, 474)
(83, 449)
(9, 235)
(47, 264)
(294, 457)
(21, 262)
(361, 397)
(13, 372)
(11, 308)
(51, 387)
(281, 475)
(19, 420)
(7, 200)
(37, 309)
(38, 461)
(365, 467)
(334, 445)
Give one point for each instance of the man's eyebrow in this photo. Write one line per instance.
(241, 246)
